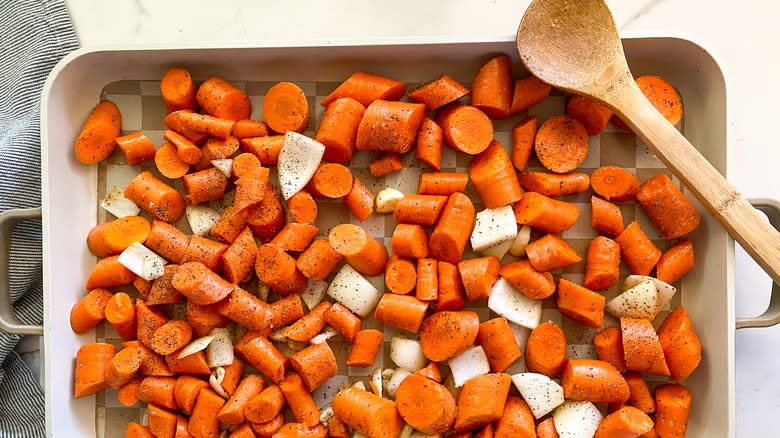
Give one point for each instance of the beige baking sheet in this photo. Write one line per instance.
(142, 109)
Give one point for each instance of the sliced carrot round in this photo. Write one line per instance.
(614, 183)
(169, 163)
(285, 108)
(561, 144)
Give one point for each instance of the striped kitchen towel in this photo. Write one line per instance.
(34, 35)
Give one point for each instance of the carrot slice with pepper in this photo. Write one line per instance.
(626, 422)
(343, 320)
(605, 216)
(410, 240)
(365, 348)
(136, 147)
(278, 270)
(390, 126)
(91, 363)
(239, 259)
(167, 241)
(491, 90)
(401, 274)
(155, 197)
(266, 218)
(286, 310)
(285, 108)
(640, 397)
(221, 99)
(387, 163)
(158, 390)
(108, 272)
(265, 148)
(248, 128)
(429, 141)
(247, 310)
(501, 348)
(330, 180)
(427, 288)
(445, 334)
(193, 364)
(425, 405)
(554, 184)
(594, 381)
(673, 406)
(170, 337)
(162, 291)
(529, 281)
(204, 318)
(204, 421)
(200, 284)
(550, 252)
(451, 294)
(465, 128)
(438, 92)
(516, 420)
(545, 213)
(233, 410)
(545, 351)
(442, 183)
(206, 251)
(265, 406)
(97, 138)
(187, 151)
(216, 126)
(561, 144)
(614, 183)
(173, 122)
(120, 313)
(602, 265)
(135, 430)
(481, 401)
(668, 208)
(641, 347)
(609, 347)
(302, 207)
(639, 253)
(681, 345)
(338, 129)
(580, 304)
(368, 413)
(431, 371)
(366, 88)
(546, 429)
(315, 364)
(360, 200)
(593, 115)
(478, 276)
(309, 325)
(494, 177)
(359, 248)
(528, 92)
(123, 367)
(318, 260)
(662, 95)
(128, 393)
(300, 401)
(295, 237)
(453, 230)
(259, 352)
(267, 429)
(523, 138)
(675, 262)
(401, 311)
(90, 310)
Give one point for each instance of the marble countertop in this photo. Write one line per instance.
(741, 37)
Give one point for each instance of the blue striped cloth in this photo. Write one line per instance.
(34, 35)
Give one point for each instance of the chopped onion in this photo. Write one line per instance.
(225, 166)
(398, 376)
(195, 346)
(353, 291)
(513, 305)
(376, 379)
(215, 381)
(299, 158)
(219, 352)
(142, 261)
(116, 204)
(323, 336)
(314, 293)
(201, 218)
(469, 364)
(407, 353)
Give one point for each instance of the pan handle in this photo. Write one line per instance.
(771, 315)
(8, 320)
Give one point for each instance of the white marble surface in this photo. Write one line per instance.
(743, 36)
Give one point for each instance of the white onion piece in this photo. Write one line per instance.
(469, 364)
(115, 203)
(201, 218)
(407, 353)
(195, 346)
(314, 293)
(299, 158)
(142, 261)
(398, 376)
(219, 352)
(224, 165)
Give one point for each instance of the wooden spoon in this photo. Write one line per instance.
(574, 45)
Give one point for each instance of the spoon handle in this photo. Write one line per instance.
(743, 222)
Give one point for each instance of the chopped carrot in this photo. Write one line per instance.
(266, 218)
(91, 363)
(419, 209)
(465, 128)
(545, 213)
(387, 163)
(128, 393)
(662, 95)
(200, 284)
(446, 334)
(193, 364)
(554, 184)
(592, 380)
(178, 90)
(546, 429)
(295, 237)
(453, 230)
(639, 253)
(187, 151)
(529, 281)
(136, 147)
(429, 141)
(204, 318)
(221, 99)
(609, 347)
(425, 405)
(390, 126)
(97, 139)
(605, 216)
(640, 397)
(614, 183)
(550, 252)
(286, 310)
(675, 262)
(602, 265)
(442, 183)
(232, 412)
(366, 88)
(517, 420)
(401, 311)
(265, 406)
(365, 347)
(250, 190)
(206, 185)
(155, 197)
(368, 413)
(501, 348)
(135, 430)
(427, 288)
(299, 400)
(491, 90)
(410, 240)
(359, 249)
(343, 320)
(90, 310)
(158, 390)
(302, 207)
(481, 401)
(168, 162)
(309, 325)
(170, 337)
(545, 352)
(593, 115)
(247, 310)
(626, 422)
(561, 144)
(528, 92)
(265, 148)
(673, 404)
(285, 108)
(239, 259)
(318, 260)
(248, 128)
(478, 276)
(338, 129)
(120, 313)
(162, 291)
(681, 345)
(668, 208)
(174, 123)
(494, 177)
(108, 272)
(580, 304)
(167, 241)
(278, 270)
(162, 422)
(233, 374)
(152, 364)
(360, 200)
(204, 421)
(401, 274)
(259, 352)
(438, 92)
(142, 286)
(523, 138)
(216, 126)
(206, 251)
(315, 364)
(641, 347)
(431, 371)
(330, 180)
(451, 294)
